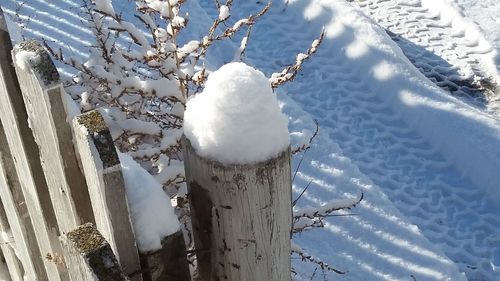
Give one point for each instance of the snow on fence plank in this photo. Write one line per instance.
(17, 216)
(45, 104)
(157, 229)
(237, 161)
(89, 255)
(25, 150)
(104, 177)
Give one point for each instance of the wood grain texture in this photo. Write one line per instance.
(168, 263)
(7, 251)
(44, 100)
(241, 216)
(17, 218)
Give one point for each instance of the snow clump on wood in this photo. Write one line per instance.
(23, 59)
(152, 214)
(237, 118)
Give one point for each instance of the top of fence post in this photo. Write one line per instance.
(96, 127)
(43, 66)
(89, 256)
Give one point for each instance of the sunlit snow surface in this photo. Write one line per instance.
(425, 161)
(446, 46)
(487, 14)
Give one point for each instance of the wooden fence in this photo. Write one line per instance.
(64, 212)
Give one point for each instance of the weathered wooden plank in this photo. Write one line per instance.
(89, 256)
(168, 263)
(44, 100)
(7, 251)
(241, 216)
(14, 265)
(107, 191)
(17, 215)
(26, 158)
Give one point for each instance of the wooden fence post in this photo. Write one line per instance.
(25, 154)
(168, 263)
(107, 188)
(241, 216)
(45, 104)
(89, 256)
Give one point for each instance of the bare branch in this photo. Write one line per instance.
(307, 257)
(302, 193)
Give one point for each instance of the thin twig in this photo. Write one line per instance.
(302, 193)
(298, 166)
(310, 141)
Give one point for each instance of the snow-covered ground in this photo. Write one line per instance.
(443, 44)
(380, 89)
(487, 15)
(409, 138)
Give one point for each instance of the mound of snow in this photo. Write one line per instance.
(152, 213)
(237, 118)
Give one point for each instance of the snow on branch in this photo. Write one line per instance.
(313, 217)
(290, 72)
(243, 45)
(229, 31)
(307, 144)
(325, 210)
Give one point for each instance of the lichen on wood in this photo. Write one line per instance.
(93, 121)
(91, 255)
(43, 66)
(86, 238)
(99, 132)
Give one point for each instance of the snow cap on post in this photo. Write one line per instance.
(237, 118)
